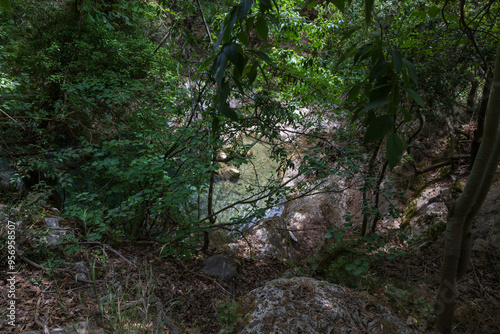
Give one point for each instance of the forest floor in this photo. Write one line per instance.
(198, 303)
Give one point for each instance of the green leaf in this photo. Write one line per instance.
(265, 5)
(381, 89)
(252, 74)
(394, 149)
(219, 68)
(340, 235)
(310, 4)
(330, 232)
(375, 104)
(244, 8)
(352, 50)
(5, 6)
(215, 124)
(262, 29)
(364, 51)
(262, 55)
(227, 111)
(349, 33)
(204, 65)
(231, 52)
(433, 11)
(411, 68)
(407, 116)
(239, 65)
(378, 128)
(243, 38)
(397, 60)
(227, 27)
(415, 96)
(377, 70)
(340, 4)
(354, 92)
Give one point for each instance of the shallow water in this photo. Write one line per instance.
(255, 175)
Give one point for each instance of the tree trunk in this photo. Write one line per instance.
(457, 235)
(481, 112)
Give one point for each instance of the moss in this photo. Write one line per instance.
(409, 212)
(245, 308)
(434, 230)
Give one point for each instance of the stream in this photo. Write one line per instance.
(254, 176)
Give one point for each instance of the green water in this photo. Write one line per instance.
(254, 177)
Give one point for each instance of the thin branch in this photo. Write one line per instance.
(205, 22)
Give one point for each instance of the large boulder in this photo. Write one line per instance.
(267, 238)
(487, 225)
(310, 217)
(306, 305)
(222, 266)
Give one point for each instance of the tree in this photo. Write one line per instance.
(458, 239)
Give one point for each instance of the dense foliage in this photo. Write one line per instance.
(117, 112)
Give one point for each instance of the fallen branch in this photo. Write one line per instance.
(28, 261)
(107, 247)
(450, 161)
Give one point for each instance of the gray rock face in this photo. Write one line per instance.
(306, 305)
(55, 231)
(429, 208)
(228, 173)
(221, 266)
(268, 238)
(487, 224)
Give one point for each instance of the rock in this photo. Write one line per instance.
(480, 245)
(228, 173)
(309, 218)
(221, 266)
(487, 225)
(222, 156)
(268, 238)
(427, 209)
(305, 305)
(55, 231)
